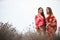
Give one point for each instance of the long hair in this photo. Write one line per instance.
(50, 11)
(43, 17)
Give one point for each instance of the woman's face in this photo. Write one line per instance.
(47, 10)
(40, 11)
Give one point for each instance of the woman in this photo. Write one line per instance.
(40, 21)
(51, 24)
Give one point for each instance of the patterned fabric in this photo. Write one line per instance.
(38, 21)
(51, 25)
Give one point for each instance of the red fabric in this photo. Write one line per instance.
(50, 20)
(38, 21)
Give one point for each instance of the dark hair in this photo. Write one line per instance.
(50, 11)
(43, 16)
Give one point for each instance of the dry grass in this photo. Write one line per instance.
(8, 33)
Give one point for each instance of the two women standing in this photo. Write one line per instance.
(46, 25)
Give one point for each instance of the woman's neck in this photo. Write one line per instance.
(40, 15)
(50, 14)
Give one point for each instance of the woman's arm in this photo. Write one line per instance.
(54, 22)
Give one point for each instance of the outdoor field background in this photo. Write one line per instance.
(21, 13)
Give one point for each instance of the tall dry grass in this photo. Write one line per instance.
(9, 33)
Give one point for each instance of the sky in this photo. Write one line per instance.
(21, 13)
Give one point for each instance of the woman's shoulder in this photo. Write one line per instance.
(36, 16)
(52, 16)
(47, 17)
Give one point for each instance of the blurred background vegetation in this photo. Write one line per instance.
(7, 32)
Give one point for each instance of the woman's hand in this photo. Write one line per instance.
(41, 28)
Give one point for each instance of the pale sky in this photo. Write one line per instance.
(21, 13)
